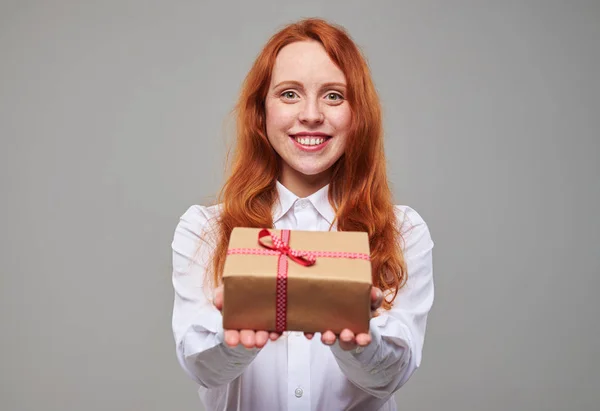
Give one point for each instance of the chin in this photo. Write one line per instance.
(312, 171)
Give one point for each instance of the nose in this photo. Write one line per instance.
(311, 113)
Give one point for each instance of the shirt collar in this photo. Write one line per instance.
(319, 200)
(285, 201)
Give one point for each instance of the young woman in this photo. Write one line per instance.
(309, 156)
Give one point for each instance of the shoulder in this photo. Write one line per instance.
(408, 217)
(197, 216)
(414, 230)
(197, 223)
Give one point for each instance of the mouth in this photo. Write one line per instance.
(310, 141)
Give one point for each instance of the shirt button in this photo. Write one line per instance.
(298, 392)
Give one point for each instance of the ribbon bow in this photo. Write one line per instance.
(281, 245)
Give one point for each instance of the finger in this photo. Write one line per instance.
(232, 337)
(328, 338)
(218, 298)
(274, 336)
(261, 338)
(309, 335)
(247, 338)
(347, 340)
(363, 339)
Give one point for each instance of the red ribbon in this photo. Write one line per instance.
(303, 258)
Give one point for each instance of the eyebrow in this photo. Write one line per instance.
(298, 84)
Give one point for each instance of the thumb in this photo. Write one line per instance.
(376, 298)
(218, 298)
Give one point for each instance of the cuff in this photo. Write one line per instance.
(239, 355)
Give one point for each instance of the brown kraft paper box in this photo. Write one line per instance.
(331, 294)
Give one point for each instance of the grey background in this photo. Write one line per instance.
(113, 118)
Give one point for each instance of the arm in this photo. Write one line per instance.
(397, 335)
(197, 324)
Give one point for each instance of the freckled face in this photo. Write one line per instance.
(307, 115)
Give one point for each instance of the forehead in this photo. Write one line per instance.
(306, 62)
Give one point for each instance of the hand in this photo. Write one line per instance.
(349, 341)
(248, 338)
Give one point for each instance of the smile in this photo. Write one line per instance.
(310, 141)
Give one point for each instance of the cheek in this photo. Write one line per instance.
(278, 117)
(341, 120)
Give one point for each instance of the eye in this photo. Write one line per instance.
(334, 97)
(289, 95)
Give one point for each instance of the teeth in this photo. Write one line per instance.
(310, 141)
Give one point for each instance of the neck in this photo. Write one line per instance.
(303, 185)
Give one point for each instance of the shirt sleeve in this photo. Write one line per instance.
(197, 324)
(398, 335)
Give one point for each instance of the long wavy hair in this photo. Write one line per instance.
(359, 191)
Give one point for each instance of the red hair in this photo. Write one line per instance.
(359, 191)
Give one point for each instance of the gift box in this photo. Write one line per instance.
(293, 280)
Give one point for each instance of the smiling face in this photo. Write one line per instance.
(307, 115)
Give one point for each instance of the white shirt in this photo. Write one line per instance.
(294, 373)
